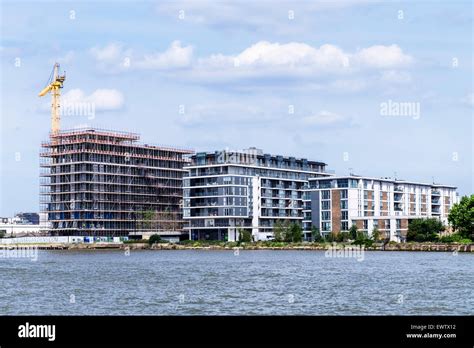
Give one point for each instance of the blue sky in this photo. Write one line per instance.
(236, 70)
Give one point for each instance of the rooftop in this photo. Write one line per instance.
(386, 179)
(120, 136)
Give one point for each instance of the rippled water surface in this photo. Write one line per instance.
(253, 282)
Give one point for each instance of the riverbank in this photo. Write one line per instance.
(245, 246)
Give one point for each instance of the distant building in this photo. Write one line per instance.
(31, 218)
(18, 227)
(104, 183)
(335, 204)
(226, 191)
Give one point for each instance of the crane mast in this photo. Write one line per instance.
(54, 87)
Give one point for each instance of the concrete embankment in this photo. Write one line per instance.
(166, 246)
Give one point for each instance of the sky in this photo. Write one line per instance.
(373, 88)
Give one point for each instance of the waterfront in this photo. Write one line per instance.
(208, 282)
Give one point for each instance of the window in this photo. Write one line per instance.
(325, 205)
(325, 184)
(325, 215)
(343, 193)
(326, 194)
(344, 204)
(344, 226)
(326, 226)
(366, 224)
(342, 183)
(345, 215)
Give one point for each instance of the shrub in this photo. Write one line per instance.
(344, 236)
(455, 238)
(186, 242)
(362, 239)
(353, 232)
(316, 235)
(424, 230)
(245, 236)
(155, 238)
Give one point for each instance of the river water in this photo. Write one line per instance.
(202, 282)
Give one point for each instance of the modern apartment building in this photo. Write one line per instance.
(103, 183)
(335, 204)
(230, 190)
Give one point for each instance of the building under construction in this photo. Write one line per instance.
(103, 183)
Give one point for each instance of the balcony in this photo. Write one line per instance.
(397, 197)
(398, 189)
(435, 193)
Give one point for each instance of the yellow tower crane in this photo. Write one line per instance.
(55, 83)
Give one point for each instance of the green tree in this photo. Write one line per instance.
(376, 234)
(424, 230)
(360, 238)
(155, 238)
(461, 217)
(245, 236)
(336, 236)
(281, 230)
(316, 235)
(353, 232)
(344, 236)
(330, 237)
(278, 231)
(294, 234)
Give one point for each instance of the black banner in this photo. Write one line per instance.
(262, 330)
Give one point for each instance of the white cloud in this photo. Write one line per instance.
(325, 118)
(109, 53)
(251, 15)
(290, 57)
(295, 60)
(175, 56)
(102, 99)
(294, 56)
(115, 57)
(383, 57)
(325, 67)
